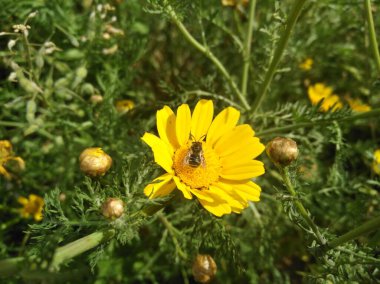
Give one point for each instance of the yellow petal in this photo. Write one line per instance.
(183, 124)
(183, 187)
(166, 126)
(38, 216)
(243, 150)
(161, 151)
(218, 207)
(4, 173)
(234, 139)
(249, 190)
(161, 186)
(22, 200)
(202, 194)
(201, 119)
(223, 122)
(244, 171)
(225, 192)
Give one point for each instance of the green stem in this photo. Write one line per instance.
(79, 246)
(10, 266)
(290, 23)
(369, 258)
(12, 124)
(212, 95)
(301, 209)
(28, 55)
(368, 114)
(372, 34)
(247, 48)
(170, 229)
(207, 53)
(365, 228)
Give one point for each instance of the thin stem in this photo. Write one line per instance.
(247, 48)
(369, 258)
(365, 228)
(170, 229)
(212, 95)
(28, 54)
(372, 34)
(296, 10)
(368, 114)
(203, 49)
(301, 209)
(79, 246)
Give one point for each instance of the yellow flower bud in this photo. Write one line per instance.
(282, 151)
(96, 99)
(113, 208)
(94, 162)
(204, 268)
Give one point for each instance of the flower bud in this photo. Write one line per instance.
(94, 162)
(282, 151)
(113, 208)
(204, 268)
(96, 99)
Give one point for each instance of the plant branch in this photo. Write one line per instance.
(205, 50)
(365, 228)
(301, 209)
(247, 48)
(290, 23)
(368, 114)
(372, 34)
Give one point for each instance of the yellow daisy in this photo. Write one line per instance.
(8, 159)
(32, 206)
(307, 64)
(210, 159)
(376, 162)
(357, 105)
(320, 92)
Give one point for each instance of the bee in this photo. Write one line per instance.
(194, 157)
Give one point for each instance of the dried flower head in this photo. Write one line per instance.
(282, 151)
(204, 268)
(32, 206)
(8, 160)
(212, 159)
(94, 162)
(234, 3)
(113, 208)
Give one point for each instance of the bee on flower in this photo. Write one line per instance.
(8, 160)
(307, 64)
(211, 159)
(319, 92)
(32, 206)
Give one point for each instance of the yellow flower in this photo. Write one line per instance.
(211, 159)
(124, 106)
(235, 2)
(7, 159)
(32, 206)
(357, 105)
(320, 92)
(307, 64)
(376, 162)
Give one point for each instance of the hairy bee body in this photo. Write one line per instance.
(195, 156)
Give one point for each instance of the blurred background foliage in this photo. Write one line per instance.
(58, 90)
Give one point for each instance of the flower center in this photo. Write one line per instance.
(196, 166)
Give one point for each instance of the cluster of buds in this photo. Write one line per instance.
(282, 151)
(21, 28)
(204, 268)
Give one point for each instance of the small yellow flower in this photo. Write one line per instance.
(320, 92)
(235, 2)
(376, 162)
(357, 105)
(307, 64)
(124, 106)
(7, 159)
(212, 159)
(32, 206)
